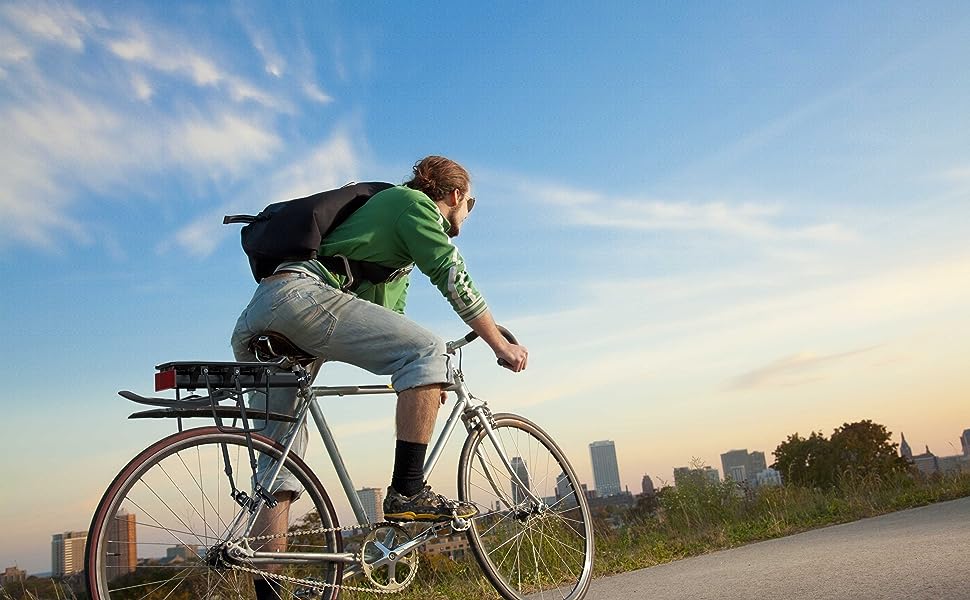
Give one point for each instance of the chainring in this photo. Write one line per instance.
(383, 567)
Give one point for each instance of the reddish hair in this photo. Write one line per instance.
(437, 176)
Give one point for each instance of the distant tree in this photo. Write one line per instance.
(805, 462)
(854, 450)
(865, 448)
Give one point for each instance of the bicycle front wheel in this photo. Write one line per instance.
(535, 532)
(161, 527)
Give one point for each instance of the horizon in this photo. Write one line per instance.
(712, 226)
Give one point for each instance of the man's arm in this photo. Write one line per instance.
(515, 356)
(421, 228)
(421, 231)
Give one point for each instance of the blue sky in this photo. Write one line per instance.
(713, 225)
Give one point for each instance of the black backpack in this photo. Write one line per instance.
(294, 229)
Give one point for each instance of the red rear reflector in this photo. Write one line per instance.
(164, 380)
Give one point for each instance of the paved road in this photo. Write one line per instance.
(917, 554)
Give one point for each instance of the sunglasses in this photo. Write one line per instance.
(471, 203)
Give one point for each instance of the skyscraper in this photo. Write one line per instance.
(904, 450)
(67, 553)
(965, 442)
(518, 487)
(757, 462)
(648, 486)
(122, 550)
(563, 488)
(742, 466)
(606, 472)
(373, 501)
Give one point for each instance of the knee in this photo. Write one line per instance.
(427, 366)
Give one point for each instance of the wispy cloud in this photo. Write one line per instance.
(230, 140)
(273, 61)
(76, 122)
(329, 165)
(793, 370)
(743, 219)
(171, 55)
(313, 92)
(56, 23)
(696, 335)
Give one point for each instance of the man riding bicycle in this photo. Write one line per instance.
(305, 301)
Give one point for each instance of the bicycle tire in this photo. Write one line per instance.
(553, 547)
(167, 512)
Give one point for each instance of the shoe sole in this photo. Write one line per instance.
(411, 516)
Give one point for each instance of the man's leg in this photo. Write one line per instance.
(272, 521)
(417, 409)
(408, 498)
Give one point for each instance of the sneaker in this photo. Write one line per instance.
(425, 506)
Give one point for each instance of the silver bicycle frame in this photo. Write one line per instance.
(466, 406)
(465, 403)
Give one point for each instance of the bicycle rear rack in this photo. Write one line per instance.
(222, 381)
(225, 381)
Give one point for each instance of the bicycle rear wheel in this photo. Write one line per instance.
(525, 546)
(158, 529)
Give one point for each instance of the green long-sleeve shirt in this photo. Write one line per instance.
(399, 227)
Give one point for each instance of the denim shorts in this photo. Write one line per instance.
(338, 326)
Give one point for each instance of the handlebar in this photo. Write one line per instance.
(471, 336)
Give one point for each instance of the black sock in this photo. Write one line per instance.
(408, 478)
(267, 589)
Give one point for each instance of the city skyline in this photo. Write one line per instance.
(664, 481)
(712, 226)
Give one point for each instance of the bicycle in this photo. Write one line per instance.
(187, 494)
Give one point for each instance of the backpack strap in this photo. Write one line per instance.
(358, 271)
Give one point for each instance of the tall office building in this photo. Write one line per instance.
(122, 550)
(757, 461)
(904, 450)
(606, 473)
(373, 501)
(742, 466)
(522, 472)
(12, 575)
(67, 553)
(563, 488)
(965, 442)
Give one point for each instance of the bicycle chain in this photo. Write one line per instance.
(311, 583)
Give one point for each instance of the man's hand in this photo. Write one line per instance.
(513, 357)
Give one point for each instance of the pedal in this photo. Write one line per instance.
(460, 524)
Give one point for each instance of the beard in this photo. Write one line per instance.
(453, 228)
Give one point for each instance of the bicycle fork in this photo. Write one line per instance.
(481, 417)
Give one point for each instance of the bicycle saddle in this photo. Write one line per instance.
(270, 346)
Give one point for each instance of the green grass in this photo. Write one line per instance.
(696, 520)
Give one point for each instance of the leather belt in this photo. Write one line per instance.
(283, 272)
